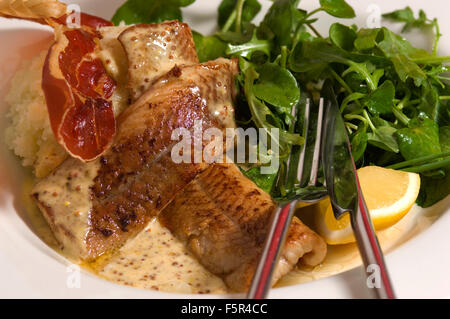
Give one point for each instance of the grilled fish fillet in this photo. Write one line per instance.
(223, 218)
(152, 49)
(97, 206)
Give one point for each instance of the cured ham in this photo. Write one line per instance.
(77, 88)
(78, 93)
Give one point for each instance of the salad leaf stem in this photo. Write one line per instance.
(431, 60)
(427, 167)
(239, 7)
(352, 97)
(420, 160)
(354, 66)
(352, 126)
(313, 29)
(313, 12)
(229, 21)
(283, 59)
(437, 34)
(368, 121)
(344, 84)
(414, 102)
(355, 117)
(399, 115)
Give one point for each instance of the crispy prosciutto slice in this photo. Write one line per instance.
(77, 88)
(78, 94)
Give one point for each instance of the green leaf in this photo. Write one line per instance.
(277, 86)
(433, 190)
(246, 50)
(359, 143)
(402, 15)
(407, 69)
(338, 8)
(401, 51)
(407, 16)
(309, 54)
(429, 101)
(367, 71)
(262, 116)
(282, 20)
(381, 100)
(366, 39)
(209, 47)
(421, 138)
(444, 138)
(249, 10)
(247, 30)
(393, 44)
(155, 11)
(263, 181)
(384, 137)
(342, 36)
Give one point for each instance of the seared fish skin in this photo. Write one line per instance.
(153, 48)
(136, 178)
(223, 217)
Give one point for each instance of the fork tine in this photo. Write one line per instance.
(288, 162)
(301, 162)
(316, 157)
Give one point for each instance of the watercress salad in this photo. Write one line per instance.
(394, 97)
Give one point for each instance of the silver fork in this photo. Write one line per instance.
(281, 219)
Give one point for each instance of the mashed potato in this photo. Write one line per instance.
(29, 134)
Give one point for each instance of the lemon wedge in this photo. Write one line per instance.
(389, 196)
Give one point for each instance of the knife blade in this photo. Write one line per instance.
(346, 196)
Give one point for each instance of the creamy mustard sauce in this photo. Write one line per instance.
(67, 192)
(115, 62)
(156, 260)
(34, 217)
(224, 113)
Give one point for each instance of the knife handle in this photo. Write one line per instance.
(370, 249)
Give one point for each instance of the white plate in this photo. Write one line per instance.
(420, 268)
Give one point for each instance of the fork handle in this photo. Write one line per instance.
(370, 250)
(262, 280)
